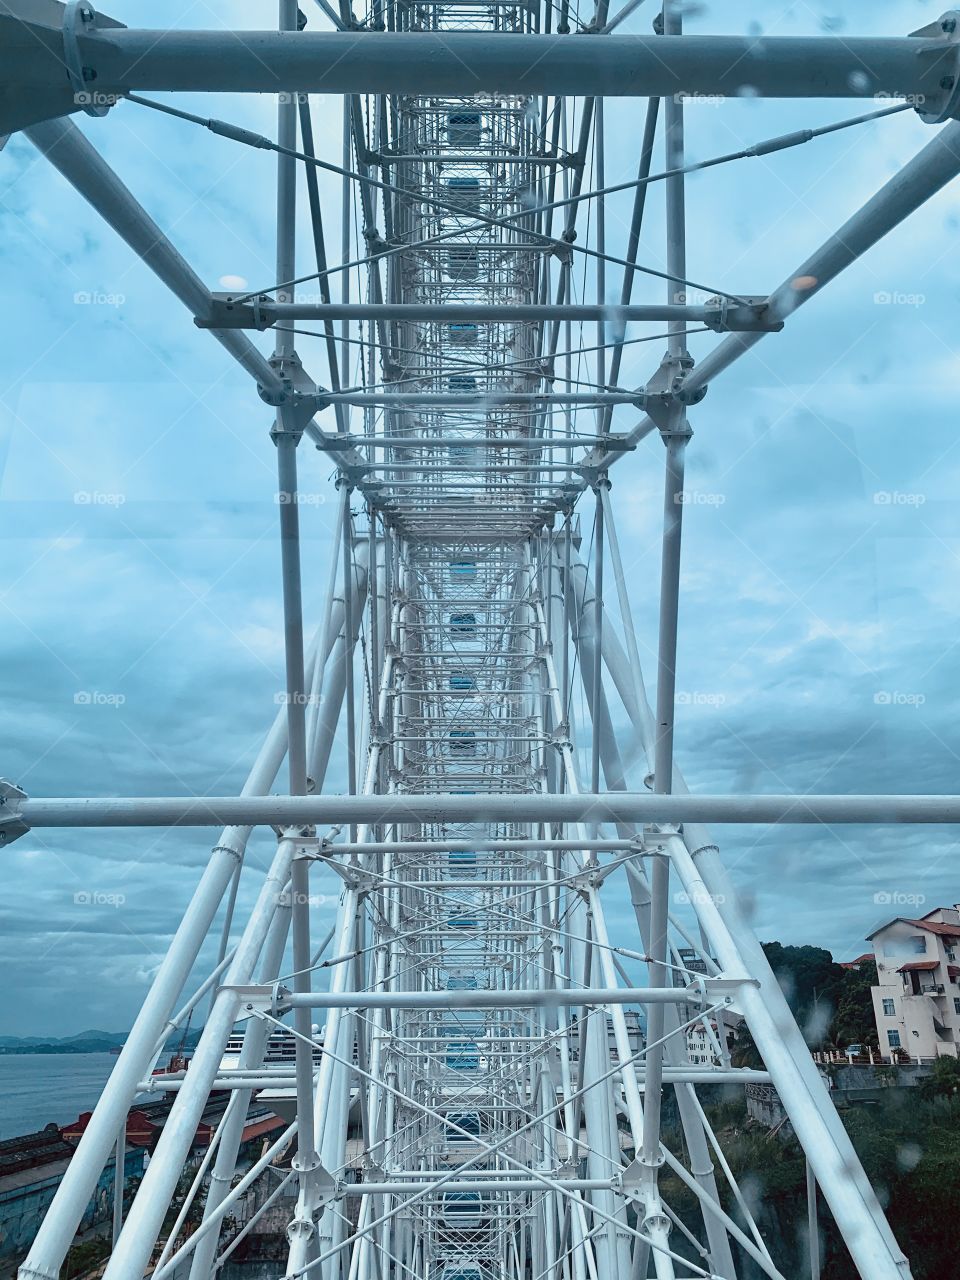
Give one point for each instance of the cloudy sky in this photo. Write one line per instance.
(139, 591)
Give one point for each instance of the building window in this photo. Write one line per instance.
(893, 1039)
(956, 1004)
(918, 944)
(890, 1008)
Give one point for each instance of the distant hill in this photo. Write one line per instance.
(82, 1042)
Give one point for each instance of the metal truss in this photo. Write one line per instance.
(487, 1102)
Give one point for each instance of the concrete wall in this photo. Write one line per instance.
(26, 1196)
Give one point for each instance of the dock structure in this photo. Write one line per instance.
(473, 686)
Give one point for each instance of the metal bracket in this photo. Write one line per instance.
(354, 878)
(352, 475)
(665, 400)
(725, 986)
(591, 475)
(228, 311)
(298, 402)
(562, 252)
(749, 315)
(306, 847)
(655, 836)
(326, 1188)
(636, 1176)
(375, 241)
(258, 998)
(80, 17)
(589, 878)
(336, 444)
(618, 443)
(942, 34)
(12, 825)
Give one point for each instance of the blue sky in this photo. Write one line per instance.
(819, 642)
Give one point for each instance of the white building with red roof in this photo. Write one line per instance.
(916, 1003)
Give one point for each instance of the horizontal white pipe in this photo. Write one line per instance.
(620, 806)
(533, 999)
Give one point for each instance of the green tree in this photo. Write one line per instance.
(854, 1021)
(812, 982)
(942, 1082)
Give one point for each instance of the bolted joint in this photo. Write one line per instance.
(375, 241)
(283, 430)
(664, 394)
(80, 19)
(299, 397)
(639, 1175)
(336, 443)
(658, 1220)
(274, 396)
(690, 397)
(943, 36)
(300, 1229)
(12, 824)
(655, 832)
(306, 844)
(617, 442)
(679, 429)
(591, 475)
